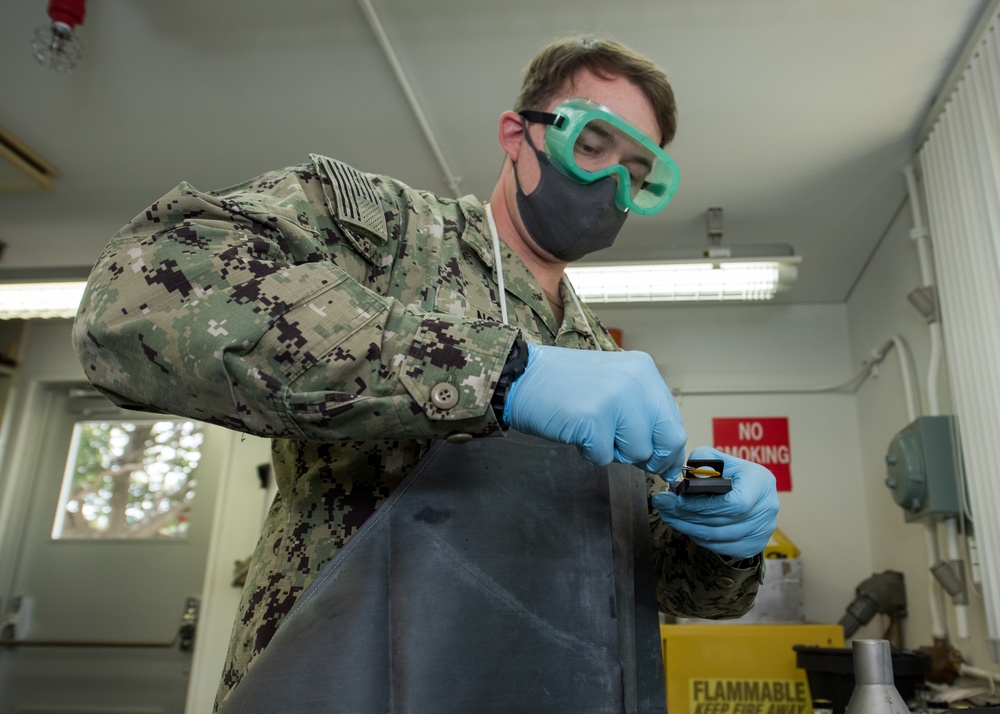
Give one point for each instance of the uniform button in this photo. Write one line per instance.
(726, 582)
(459, 438)
(444, 395)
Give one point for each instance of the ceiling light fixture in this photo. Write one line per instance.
(27, 301)
(716, 279)
(34, 293)
(708, 274)
(55, 45)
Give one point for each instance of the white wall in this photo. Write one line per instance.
(775, 347)
(878, 309)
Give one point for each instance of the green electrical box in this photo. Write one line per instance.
(922, 464)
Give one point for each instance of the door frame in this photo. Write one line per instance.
(20, 444)
(233, 535)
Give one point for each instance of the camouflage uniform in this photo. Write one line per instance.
(319, 306)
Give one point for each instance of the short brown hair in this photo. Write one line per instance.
(556, 64)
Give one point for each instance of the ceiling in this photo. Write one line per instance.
(796, 116)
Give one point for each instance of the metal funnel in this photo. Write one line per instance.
(874, 690)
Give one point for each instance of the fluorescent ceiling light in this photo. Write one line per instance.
(699, 279)
(26, 301)
(716, 279)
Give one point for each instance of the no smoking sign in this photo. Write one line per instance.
(763, 440)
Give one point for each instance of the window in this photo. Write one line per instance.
(129, 480)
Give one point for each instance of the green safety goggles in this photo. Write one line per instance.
(587, 142)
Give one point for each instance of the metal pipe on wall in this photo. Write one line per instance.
(939, 629)
(411, 96)
(920, 235)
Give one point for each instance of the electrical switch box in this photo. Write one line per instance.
(922, 465)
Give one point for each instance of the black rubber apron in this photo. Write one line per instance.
(503, 575)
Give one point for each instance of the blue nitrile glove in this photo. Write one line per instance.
(737, 524)
(614, 406)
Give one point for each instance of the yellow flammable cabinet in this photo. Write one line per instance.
(740, 668)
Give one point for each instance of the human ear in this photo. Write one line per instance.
(511, 133)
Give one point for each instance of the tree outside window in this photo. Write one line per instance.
(129, 479)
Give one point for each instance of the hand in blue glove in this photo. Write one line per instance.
(737, 524)
(614, 406)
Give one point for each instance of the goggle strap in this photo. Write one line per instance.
(556, 120)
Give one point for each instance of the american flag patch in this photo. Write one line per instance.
(357, 202)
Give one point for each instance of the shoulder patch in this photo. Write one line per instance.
(352, 197)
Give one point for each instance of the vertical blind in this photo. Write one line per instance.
(960, 161)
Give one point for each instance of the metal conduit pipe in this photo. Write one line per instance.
(910, 387)
(960, 599)
(939, 630)
(849, 385)
(390, 54)
(920, 236)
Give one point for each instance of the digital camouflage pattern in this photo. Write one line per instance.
(319, 306)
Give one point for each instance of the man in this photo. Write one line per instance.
(365, 326)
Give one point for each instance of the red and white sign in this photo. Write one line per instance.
(763, 440)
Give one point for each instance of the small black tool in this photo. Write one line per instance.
(701, 476)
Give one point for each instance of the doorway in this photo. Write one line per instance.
(106, 577)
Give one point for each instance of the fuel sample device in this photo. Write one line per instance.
(700, 476)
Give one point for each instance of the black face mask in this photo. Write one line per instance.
(567, 219)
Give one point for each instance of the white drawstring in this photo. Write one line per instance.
(496, 260)
(579, 307)
(500, 287)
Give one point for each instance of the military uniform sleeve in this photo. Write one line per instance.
(259, 309)
(694, 582)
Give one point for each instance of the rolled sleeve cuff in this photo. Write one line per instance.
(452, 366)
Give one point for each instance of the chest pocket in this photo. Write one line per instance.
(451, 302)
